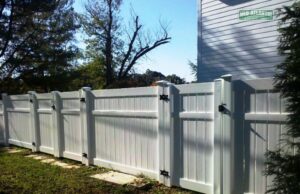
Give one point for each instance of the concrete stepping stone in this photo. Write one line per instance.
(13, 151)
(72, 167)
(65, 165)
(117, 178)
(31, 156)
(48, 161)
(40, 157)
(10, 150)
(36, 157)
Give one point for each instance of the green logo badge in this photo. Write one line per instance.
(256, 15)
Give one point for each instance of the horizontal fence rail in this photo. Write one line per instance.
(207, 137)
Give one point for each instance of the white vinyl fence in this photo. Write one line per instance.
(259, 123)
(206, 137)
(2, 127)
(126, 129)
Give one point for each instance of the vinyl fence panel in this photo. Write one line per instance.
(19, 121)
(71, 126)
(126, 129)
(45, 123)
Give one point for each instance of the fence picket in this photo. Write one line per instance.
(5, 119)
(57, 124)
(86, 127)
(34, 126)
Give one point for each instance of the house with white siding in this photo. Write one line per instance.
(238, 37)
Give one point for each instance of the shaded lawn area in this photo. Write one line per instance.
(19, 174)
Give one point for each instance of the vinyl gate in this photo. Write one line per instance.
(207, 137)
(259, 122)
(194, 117)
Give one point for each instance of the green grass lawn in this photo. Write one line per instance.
(19, 174)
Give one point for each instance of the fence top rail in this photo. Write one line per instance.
(44, 96)
(126, 92)
(19, 97)
(70, 95)
(258, 84)
(18, 110)
(194, 88)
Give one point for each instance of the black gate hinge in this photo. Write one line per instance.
(33, 144)
(164, 173)
(222, 108)
(82, 99)
(164, 97)
(53, 107)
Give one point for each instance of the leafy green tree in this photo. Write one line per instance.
(175, 79)
(194, 69)
(37, 42)
(90, 74)
(284, 163)
(149, 78)
(120, 46)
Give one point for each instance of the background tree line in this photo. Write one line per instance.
(38, 46)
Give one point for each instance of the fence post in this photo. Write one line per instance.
(223, 136)
(165, 133)
(86, 124)
(35, 132)
(5, 119)
(57, 124)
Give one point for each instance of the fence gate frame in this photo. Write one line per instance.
(165, 133)
(223, 136)
(170, 169)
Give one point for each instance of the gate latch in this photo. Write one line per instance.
(222, 108)
(164, 173)
(164, 97)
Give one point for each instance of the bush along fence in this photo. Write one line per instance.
(208, 137)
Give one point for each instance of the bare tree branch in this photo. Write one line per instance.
(106, 39)
(144, 50)
(131, 44)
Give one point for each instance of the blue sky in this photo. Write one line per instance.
(181, 15)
